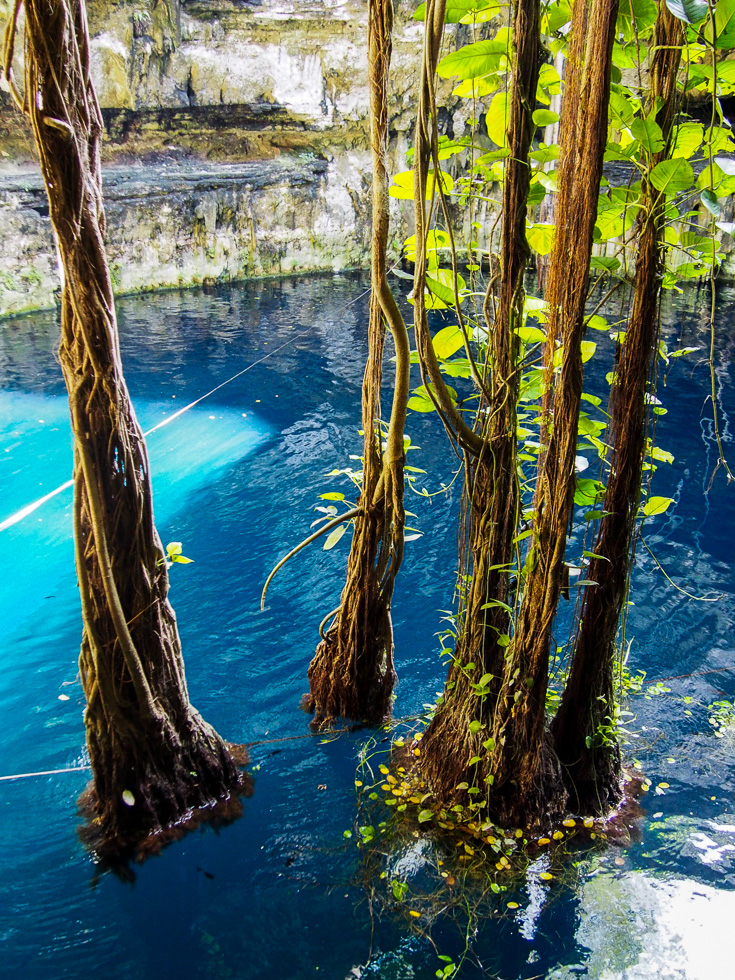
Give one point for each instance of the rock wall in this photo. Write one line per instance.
(235, 143)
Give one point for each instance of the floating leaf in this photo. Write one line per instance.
(331, 496)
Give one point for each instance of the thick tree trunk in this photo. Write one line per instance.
(527, 789)
(583, 729)
(154, 759)
(352, 672)
(491, 488)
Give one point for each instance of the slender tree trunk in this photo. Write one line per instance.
(449, 742)
(583, 728)
(154, 759)
(352, 672)
(527, 788)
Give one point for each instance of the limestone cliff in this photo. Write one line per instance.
(235, 142)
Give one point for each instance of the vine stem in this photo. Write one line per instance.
(348, 516)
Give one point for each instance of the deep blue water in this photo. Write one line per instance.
(236, 479)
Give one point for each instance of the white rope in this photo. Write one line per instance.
(47, 772)
(21, 514)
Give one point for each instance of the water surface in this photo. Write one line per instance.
(279, 894)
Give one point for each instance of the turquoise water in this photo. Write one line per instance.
(281, 893)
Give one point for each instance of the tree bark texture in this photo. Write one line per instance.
(352, 673)
(583, 728)
(527, 789)
(491, 484)
(154, 759)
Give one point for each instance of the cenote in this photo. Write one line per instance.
(283, 892)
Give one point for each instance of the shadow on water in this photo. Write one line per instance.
(278, 894)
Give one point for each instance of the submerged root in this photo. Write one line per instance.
(145, 796)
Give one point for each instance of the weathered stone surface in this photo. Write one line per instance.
(175, 225)
(235, 142)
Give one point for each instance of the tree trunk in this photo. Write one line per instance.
(527, 789)
(449, 742)
(352, 672)
(584, 727)
(154, 759)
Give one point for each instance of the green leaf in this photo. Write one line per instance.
(544, 117)
(402, 186)
(709, 199)
(672, 176)
(331, 496)
(545, 154)
(447, 341)
(587, 491)
(610, 263)
(426, 815)
(531, 335)
(588, 348)
(475, 727)
(399, 889)
(662, 455)
(473, 60)
(441, 284)
(334, 536)
(496, 119)
(456, 9)
(724, 25)
(690, 11)
(173, 548)
(181, 559)
(688, 139)
(657, 505)
(541, 237)
(635, 17)
(621, 110)
(476, 88)
(649, 135)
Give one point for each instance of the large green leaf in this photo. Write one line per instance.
(541, 237)
(724, 25)
(688, 139)
(672, 176)
(441, 284)
(690, 11)
(657, 505)
(544, 117)
(649, 135)
(402, 186)
(475, 88)
(473, 60)
(496, 119)
(447, 341)
(635, 17)
(456, 9)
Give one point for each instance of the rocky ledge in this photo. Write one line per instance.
(179, 224)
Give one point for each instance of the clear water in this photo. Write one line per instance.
(280, 894)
